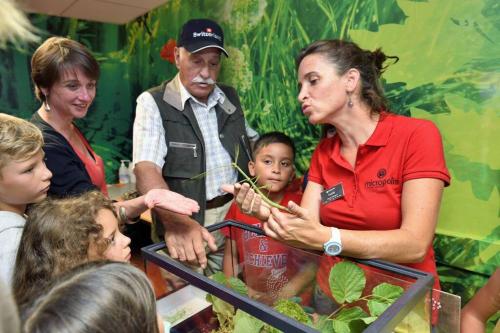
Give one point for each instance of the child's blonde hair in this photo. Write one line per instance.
(19, 140)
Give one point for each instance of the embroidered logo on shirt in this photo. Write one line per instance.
(381, 181)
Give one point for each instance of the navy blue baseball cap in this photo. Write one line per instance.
(200, 34)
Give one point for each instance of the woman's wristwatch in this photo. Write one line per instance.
(333, 246)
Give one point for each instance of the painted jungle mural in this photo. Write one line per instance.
(448, 72)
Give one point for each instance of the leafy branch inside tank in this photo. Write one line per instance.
(347, 282)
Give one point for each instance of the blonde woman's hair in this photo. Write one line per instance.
(19, 140)
(15, 26)
(55, 57)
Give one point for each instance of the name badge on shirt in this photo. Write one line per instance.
(334, 193)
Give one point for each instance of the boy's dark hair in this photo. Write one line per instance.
(272, 137)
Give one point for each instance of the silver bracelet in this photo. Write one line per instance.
(122, 215)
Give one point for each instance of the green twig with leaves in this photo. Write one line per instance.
(250, 181)
(347, 283)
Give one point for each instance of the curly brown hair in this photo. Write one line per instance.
(56, 238)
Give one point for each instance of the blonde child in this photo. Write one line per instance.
(24, 179)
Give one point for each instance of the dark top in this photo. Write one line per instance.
(183, 166)
(69, 176)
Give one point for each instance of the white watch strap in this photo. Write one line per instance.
(336, 235)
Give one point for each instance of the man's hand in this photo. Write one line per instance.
(186, 240)
(175, 202)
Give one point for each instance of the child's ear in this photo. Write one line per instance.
(251, 168)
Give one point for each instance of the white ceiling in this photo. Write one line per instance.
(108, 11)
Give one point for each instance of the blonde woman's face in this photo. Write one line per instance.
(118, 248)
(72, 95)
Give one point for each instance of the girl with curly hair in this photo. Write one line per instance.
(63, 233)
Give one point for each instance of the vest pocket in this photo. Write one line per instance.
(183, 160)
(184, 145)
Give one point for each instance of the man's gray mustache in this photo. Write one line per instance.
(202, 80)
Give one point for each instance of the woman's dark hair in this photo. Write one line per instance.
(56, 56)
(56, 238)
(99, 296)
(272, 137)
(345, 55)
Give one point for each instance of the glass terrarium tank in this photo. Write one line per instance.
(268, 286)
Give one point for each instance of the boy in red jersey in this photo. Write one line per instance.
(270, 268)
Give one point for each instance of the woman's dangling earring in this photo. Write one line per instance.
(349, 101)
(46, 105)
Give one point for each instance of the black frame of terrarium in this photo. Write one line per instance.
(386, 322)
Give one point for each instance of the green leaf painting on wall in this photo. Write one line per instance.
(449, 73)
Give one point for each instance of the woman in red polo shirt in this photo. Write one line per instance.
(375, 185)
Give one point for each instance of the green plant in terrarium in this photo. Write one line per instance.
(347, 282)
(292, 309)
(231, 319)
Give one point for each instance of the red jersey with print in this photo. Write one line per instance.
(400, 149)
(268, 265)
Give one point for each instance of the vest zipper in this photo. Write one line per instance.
(185, 146)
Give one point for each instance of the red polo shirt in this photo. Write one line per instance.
(399, 149)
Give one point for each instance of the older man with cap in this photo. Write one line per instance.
(188, 127)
